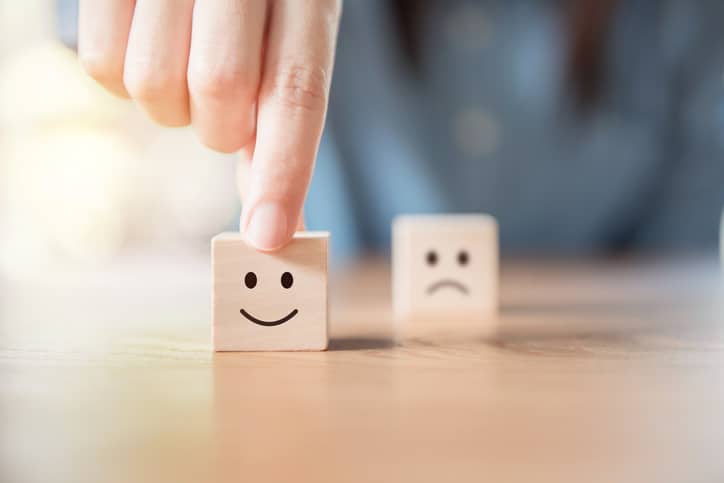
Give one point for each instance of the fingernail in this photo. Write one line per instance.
(267, 229)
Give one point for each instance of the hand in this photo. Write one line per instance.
(249, 75)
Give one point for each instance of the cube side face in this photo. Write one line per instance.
(445, 266)
(263, 311)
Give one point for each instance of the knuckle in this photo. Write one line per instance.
(147, 84)
(174, 120)
(219, 83)
(100, 68)
(223, 145)
(300, 86)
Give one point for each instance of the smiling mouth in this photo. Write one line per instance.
(447, 283)
(268, 323)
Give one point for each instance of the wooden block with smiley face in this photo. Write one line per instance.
(445, 267)
(270, 301)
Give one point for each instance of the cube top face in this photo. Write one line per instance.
(445, 265)
(270, 301)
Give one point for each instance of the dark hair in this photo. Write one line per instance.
(588, 21)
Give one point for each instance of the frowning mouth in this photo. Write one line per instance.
(453, 284)
(268, 323)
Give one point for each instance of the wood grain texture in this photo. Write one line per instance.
(601, 371)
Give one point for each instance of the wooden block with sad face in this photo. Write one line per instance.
(270, 301)
(445, 267)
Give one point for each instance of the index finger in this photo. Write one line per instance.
(292, 106)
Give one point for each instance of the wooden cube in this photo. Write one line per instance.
(270, 301)
(445, 267)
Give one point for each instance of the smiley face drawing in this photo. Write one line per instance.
(287, 280)
(444, 266)
(270, 301)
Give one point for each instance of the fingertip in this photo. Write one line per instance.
(268, 227)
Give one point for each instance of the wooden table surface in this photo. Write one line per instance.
(599, 371)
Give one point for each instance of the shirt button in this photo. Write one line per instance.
(469, 27)
(476, 132)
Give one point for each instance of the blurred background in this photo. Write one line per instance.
(84, 177)
(587, 128)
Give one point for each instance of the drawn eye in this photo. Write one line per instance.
(431, 258)
(250, 280)
(463, 257)
(287, 280)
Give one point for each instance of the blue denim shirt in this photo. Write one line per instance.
(487, 124)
